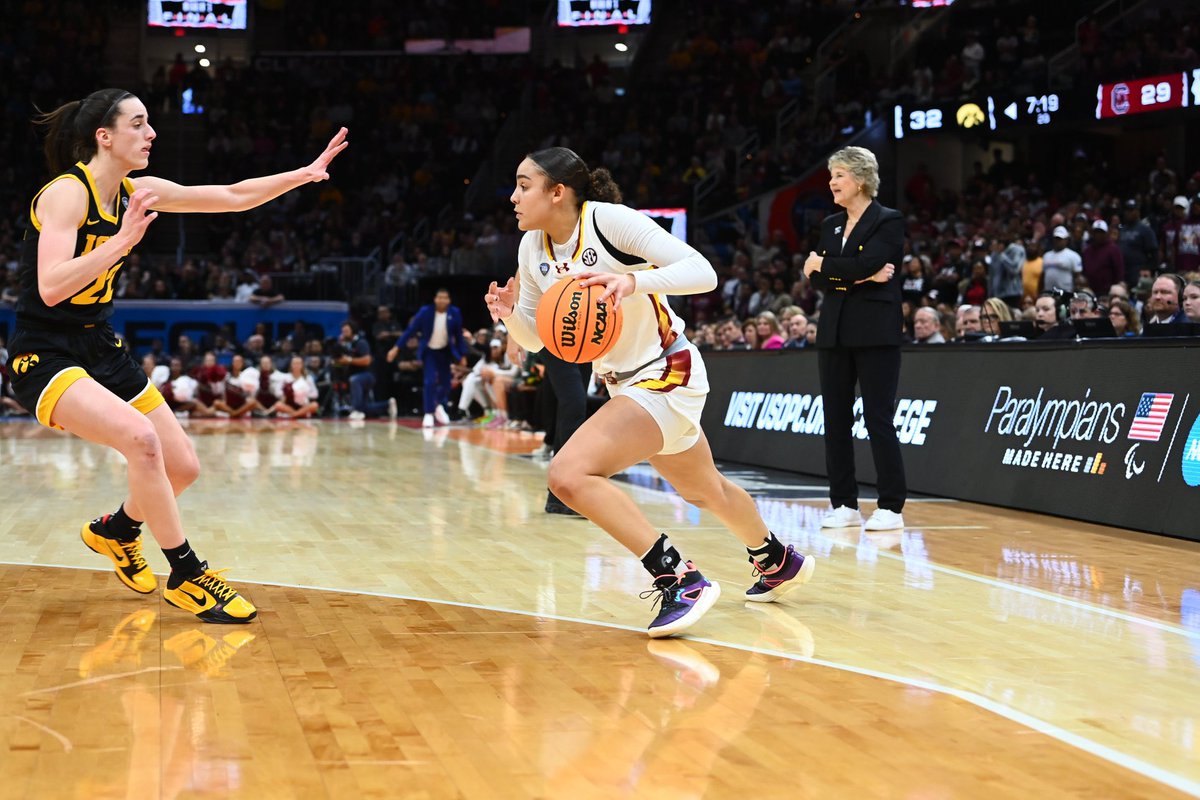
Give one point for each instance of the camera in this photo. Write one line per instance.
(1061, 296)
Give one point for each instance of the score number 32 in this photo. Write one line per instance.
(925, 120)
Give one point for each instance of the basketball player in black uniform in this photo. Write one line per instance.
(72, 371)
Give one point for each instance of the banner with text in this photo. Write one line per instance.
(1108, 433)
(140, 322)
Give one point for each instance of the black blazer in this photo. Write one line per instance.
(865, 314)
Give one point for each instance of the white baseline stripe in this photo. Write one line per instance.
(971, 576)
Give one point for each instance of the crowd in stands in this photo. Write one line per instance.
(304, 375)
(1004, 249)
(1004, 47)
(1007, 246)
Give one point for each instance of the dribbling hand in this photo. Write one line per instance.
(138, 215)
(319, 169)
(615, 286)
(500, 300)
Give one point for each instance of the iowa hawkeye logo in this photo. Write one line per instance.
(24, 363)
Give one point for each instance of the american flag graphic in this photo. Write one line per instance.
(1150, 416)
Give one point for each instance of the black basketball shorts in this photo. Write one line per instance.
(44, 363)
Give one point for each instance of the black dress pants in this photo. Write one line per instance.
(877, 371)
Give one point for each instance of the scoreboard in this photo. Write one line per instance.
(586, 13)
(1160, 93)
(228, 15)
(998, 111)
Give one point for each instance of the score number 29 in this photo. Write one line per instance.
(1155, 93)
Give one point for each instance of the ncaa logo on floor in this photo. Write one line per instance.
(24, 363)
(1191, 456)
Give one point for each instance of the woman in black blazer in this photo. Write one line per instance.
(858, 339)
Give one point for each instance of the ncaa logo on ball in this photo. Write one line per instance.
(600, 324)
(589, 257)
(1119, 99)
(544, 267)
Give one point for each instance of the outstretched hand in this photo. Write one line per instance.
(319, 169)
(615, 286)
(138, 216)
(500, 300)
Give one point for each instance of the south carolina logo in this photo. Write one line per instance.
(589, 257)
(24, 363)
(1120, 98)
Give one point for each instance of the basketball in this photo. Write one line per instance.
(573, 326)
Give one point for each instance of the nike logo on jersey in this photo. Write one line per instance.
(93, 222)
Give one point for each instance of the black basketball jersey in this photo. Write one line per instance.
(93, 303)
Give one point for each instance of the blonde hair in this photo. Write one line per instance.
(771, 320)
(999, 308)
(862, 166)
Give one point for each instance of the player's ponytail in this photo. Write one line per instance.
(602, 187)
(71, 128)
(563, 165)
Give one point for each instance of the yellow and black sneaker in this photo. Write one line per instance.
(210, 598)
(127, 557)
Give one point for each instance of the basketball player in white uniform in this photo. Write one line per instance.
(574, 226)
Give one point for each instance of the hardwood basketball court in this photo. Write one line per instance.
(426, 631)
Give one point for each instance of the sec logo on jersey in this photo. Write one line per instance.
(589, 257)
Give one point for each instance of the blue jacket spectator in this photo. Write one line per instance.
(440, 328)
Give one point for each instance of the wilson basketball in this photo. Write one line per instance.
(573, 326)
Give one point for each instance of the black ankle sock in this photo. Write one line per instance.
(184, 564)
(662, 558)
(769, 554)
(123, 527)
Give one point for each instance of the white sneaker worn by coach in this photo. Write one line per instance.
(884, 520)
(393, 408)
(842, 517)
(427, 421)
(440, 416)
(357, 416)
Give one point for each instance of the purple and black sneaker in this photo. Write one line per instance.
(770, 586)
(685, 598)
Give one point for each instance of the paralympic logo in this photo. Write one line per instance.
(1191, 456)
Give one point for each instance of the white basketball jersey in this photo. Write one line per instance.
(614, 238)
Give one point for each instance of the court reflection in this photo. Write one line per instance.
(148, 697)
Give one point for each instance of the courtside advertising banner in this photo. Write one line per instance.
(1104, 432)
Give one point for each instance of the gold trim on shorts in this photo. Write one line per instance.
(53, 392)
(148, 399)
